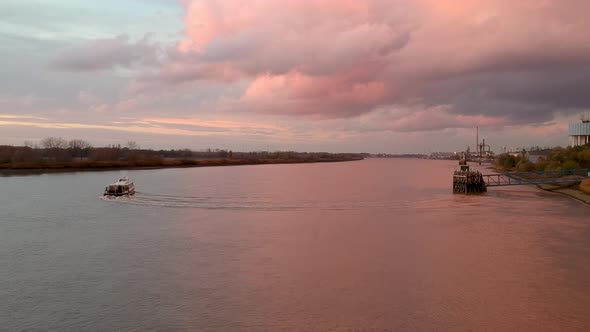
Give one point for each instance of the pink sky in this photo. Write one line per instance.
(373, 75)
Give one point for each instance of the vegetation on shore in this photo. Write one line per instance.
(55, 153)
(555, 160)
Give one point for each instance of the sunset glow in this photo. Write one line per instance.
(373, 73)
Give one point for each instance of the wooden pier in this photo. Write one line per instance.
(468, 182)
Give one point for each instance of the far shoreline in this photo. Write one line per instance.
(10, 172)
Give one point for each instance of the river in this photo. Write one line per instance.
(373, 245)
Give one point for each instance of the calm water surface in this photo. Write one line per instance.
(371, 245)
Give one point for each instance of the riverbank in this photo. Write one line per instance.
(572, 191)
(19, 170)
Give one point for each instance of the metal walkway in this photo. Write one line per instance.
(532, 178)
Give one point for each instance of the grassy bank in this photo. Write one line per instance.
(81, 166)
(580, 192)
(54, 154)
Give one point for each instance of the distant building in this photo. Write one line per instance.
(579, 133)
(444, 155)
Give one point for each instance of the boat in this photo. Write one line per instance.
(123, 187)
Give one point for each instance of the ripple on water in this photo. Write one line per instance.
(261, 203)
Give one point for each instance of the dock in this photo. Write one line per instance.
(466, 181)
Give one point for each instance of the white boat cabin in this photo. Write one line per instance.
(123, 187)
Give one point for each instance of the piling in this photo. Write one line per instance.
(468, 182)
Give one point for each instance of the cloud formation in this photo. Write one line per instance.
(103, 54)
(160, 126)
(364, 72)
(497, 62)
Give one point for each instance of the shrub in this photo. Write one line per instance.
(507, 161)
(571, 164)
(541, 166)
(584, 158)
(559, 155)
(553, 166)
(525, 166)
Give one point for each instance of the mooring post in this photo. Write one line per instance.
(466, 181)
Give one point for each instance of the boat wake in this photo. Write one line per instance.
(173, 201)
(257, 203)
(218, 203)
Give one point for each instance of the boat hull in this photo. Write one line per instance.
(119, 194)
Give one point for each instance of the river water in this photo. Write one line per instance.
(373, 245)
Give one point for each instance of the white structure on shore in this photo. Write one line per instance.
(580, 132)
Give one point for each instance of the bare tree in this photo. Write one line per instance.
(132, 145)
(78, 144)
(55, 149)
(79, 148)
(29, 144)
(54, 143)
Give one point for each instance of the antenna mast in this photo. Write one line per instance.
(477, 139)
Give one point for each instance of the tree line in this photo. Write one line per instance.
(555, 160)
(56, 152)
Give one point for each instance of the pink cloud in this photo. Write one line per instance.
(295, 93)
(215, 124)
(207, 20)
(437, 118)
(345, 58)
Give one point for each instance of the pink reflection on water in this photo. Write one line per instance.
(513, 259)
